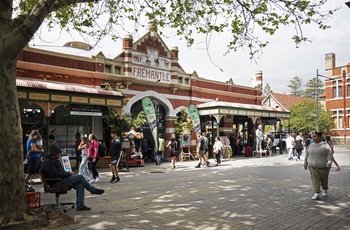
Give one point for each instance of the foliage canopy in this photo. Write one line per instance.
(303, 119)
(242, 19)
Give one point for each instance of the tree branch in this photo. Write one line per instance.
(58, 4)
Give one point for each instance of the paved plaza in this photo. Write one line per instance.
(243, 193)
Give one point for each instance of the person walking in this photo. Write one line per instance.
(329, 142)
(161, 145)
(83, 167)
(52, 168)
(34, 159)
(94, 157)
(217, 150)
(115, 149)
(77, 151)
(201, 151)
(290, 146)
(318, 159)
(173, 151)
(298, 147)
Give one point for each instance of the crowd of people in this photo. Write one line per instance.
(317, 152)
(88, 149)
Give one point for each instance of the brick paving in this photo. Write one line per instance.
(244, 193)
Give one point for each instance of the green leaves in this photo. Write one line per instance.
(303, 117)
(243, 19)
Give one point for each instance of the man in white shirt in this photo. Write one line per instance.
(290, 146)
(259, 135)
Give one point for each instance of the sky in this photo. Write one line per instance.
(280, 61)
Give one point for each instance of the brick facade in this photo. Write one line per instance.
(180, 90)
(337, 78)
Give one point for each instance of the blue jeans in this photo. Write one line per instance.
(218, 157)
(83, 168)
(93, 168)
(78, 182)
(159, 157)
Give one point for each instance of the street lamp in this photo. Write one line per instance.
(317, 75)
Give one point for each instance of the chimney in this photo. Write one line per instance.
(259, 77)
(175, 52)
(127, 41)
(330, 61)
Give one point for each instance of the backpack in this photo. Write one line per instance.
(102, 150)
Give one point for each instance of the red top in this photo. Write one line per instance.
(92, 147)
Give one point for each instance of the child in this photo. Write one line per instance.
(34, 135)
(84, 148)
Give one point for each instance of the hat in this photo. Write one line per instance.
(54, 150)
(34, 127)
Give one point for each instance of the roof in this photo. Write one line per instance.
(64, 87)
(240, 106)
(67, 50)
(286, 101)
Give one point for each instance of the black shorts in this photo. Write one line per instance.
(115, 159)
(34, 165)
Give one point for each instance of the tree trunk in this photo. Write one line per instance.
(13, 203)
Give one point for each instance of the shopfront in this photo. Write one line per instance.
(61, 111)
(240, 120)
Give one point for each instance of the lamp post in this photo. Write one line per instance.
(318, 75)
(344, 108)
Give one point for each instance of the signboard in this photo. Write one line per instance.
(151, 74)
(150, 112)
(86, 110)
(195, 118)
(66, 163)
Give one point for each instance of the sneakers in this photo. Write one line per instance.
(324, 193)
(315, 196)
(97, 191)
(112, 179)
(92, 181)
(25, 162)
(208, 164)
(84, 208)
(97, 179)
(198, 166)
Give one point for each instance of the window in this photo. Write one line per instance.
(180, 80)
(117, 70)
(340, 91)
(187, 81)
(335, 122)
(108, 69)
(348, 88)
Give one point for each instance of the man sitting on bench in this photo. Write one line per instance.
(52, 168)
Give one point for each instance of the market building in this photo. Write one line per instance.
(66, 91)
(337, 98)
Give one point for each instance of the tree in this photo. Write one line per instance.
(267, 90)
(310, 91)
(295, 86)
(183, 122)
(20, 20)
(303, 117)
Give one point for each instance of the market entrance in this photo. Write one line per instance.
(148, 141)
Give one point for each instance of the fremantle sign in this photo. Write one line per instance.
(151, 74)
